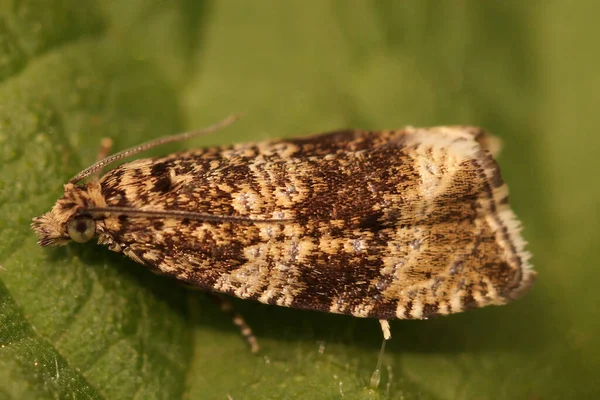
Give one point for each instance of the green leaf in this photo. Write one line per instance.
(82, 322)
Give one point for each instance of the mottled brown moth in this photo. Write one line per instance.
(406, 224)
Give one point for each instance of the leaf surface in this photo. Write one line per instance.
(82, 322)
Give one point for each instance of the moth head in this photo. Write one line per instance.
(67, 220)
(72, 217)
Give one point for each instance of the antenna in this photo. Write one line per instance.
(151, 144)
(182, 214)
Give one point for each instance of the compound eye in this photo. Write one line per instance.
(81, 230)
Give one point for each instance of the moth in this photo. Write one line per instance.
(407, 224)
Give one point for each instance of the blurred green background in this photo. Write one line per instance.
(82, 322)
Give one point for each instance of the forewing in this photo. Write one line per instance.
(405, 224)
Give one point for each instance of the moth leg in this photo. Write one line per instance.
(387, 335)
(376, 375)
(106, 145)
(238, 320)
(385, 329)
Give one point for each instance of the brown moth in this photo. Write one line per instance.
(407, 224)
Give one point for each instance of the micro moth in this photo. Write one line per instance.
(406, 224)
